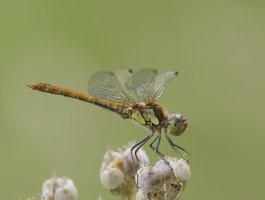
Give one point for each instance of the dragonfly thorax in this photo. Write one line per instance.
(152, 117)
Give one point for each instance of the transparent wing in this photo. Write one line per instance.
(147, 86)
(160, 83)
(122, 85)
(139, 85)
(110, 85)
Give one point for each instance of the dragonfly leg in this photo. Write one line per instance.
(176, 147)
(158, 139)
(138, 145)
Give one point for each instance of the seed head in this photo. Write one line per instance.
(150, 179)
(181, 170)
(111, 177)
(166, 181)
(117, 171)
(59, 189)
(167, 171)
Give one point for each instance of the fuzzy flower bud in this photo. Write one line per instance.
(124, 161)
(181, 170)
(117, 171)
(59, 189)
(167, 170)
(150, 179)
(111, 178)
(165, 181)
(108, 159)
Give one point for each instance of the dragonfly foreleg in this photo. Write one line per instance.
(176, 147)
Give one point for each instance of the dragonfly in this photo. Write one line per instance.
(132, 96)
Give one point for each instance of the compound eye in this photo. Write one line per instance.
(177, 124)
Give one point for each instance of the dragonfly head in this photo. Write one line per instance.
(177, 124)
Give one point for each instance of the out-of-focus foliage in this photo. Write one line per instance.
(217, 46)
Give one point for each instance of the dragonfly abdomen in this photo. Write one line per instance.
(52, 89)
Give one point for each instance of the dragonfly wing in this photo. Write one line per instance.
(110, 85)
(122, 85)
(140, 84)
(160, 83)
(147, 86)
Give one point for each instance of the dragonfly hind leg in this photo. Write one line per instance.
(138, 145)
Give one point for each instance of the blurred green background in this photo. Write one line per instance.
(217, 46)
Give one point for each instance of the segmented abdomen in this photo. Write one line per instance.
(117, 107)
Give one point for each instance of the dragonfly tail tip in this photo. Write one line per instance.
(31, 85)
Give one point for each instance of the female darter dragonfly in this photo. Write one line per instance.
(132, 96)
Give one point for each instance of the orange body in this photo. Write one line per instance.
(117, 107)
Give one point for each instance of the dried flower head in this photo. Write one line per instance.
(141, 195)
(167, 171)
(117, 171)
(58, 188)
(165, 181)
(150, 179)
(111, 177)
(181, 169)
